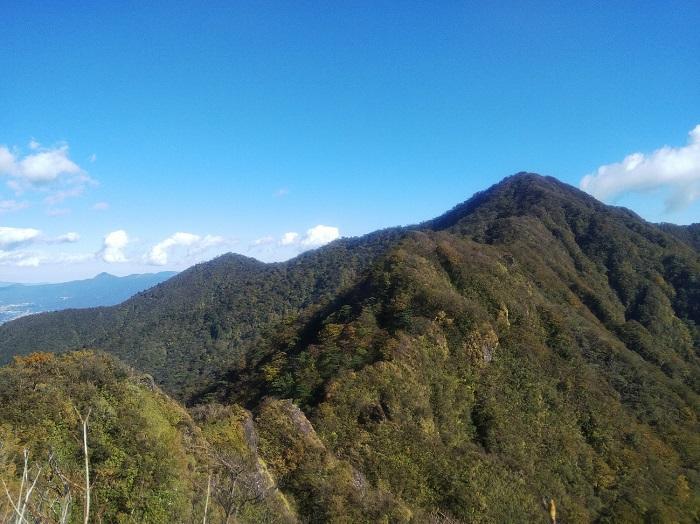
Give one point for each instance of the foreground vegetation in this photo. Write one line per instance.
(148, 459)
(532, 345)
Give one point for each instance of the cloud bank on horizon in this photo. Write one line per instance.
(21, 247)
(46, 177)
(676, 169)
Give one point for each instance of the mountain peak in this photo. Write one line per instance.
(514, 195)
(525, 176)
(525, 180)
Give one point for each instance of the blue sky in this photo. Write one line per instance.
(135, 138)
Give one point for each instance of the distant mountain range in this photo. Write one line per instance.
(18, 300)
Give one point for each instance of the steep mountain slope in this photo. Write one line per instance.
(530, 344)
(103, 290)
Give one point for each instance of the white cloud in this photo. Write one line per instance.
(282, 192)
(14, 237)
(10, 206)
(315, 237)
(320, 235)
(289, 238)
(43, 169)
(72, 258)
(113, 247)
(194, 244)
(101, 206)
(45, 166)
(673, 168)
(59, 196)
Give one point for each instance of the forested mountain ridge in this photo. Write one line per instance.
(204, 318)
(532, 343)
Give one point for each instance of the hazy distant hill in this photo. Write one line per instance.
(18, 300)
(531, 344)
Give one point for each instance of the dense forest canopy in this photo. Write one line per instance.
(530, 345)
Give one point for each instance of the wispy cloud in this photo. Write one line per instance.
(100, 206)
(281, 192)
(61, 195)
(674, 168)
(58, 212)
(10, 206)
(19, 259)
(263, 241)
(36, 259)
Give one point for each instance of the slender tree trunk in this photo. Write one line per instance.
(206, 502)
(84, 421)
(25, 477)
(87, 473)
